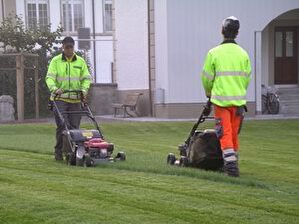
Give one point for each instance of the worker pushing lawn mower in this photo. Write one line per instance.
(68, 80)
(84, 147)
(202, 147)
(225, 77)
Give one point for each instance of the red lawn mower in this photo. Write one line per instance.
(85, 147)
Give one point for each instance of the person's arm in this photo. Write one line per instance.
(85, 79)
(248, 72)
(51, 77)
(208, 74)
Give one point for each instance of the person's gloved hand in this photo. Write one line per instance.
(84, 98)
(59, 91)
(207, 109)
(50, 105)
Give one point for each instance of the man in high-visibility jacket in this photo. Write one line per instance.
(67, 72)
(225, 77)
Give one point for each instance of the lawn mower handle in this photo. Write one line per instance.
(86, 109)
(201, 119)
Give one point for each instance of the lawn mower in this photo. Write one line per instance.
(201, 149)
(85, 147)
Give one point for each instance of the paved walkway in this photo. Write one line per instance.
(111, 118)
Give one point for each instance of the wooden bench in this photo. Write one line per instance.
(129, 105)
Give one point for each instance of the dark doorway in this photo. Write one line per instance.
(286, 60)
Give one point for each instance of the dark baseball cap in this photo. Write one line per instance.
(68, 41)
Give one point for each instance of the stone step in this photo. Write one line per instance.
(289, 111)
(289, 108)
(289, 100)
(289, 104)
(285, 91)
(287, 97)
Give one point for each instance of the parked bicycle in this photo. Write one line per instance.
(270, 100)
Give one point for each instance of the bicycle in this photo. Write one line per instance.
(270, 100)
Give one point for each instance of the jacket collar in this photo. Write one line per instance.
(63, 57)
(226, 41)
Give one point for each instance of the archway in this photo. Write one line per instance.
(280, 50)
(276, 53)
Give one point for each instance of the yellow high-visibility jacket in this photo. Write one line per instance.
(226, 75)
(68, 75)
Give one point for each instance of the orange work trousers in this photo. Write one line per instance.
(227, 126)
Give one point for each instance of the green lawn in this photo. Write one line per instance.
(36, 189)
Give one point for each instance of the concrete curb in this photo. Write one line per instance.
(112, 119)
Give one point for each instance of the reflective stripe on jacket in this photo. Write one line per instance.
(68, 75)
(226, 75)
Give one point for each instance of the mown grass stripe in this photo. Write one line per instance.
(173, 190)
(35, 189)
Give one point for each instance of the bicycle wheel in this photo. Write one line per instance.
(273, 103)
(264, 105)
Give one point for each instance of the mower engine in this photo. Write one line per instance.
(88, 148)
(98, 148)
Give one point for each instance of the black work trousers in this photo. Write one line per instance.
(72, 121)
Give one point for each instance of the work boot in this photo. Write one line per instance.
(230, 166)
(58, 155)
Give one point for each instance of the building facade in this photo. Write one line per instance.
(160, 46)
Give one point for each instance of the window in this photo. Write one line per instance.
(107, 5)
(278, 44)
(72, 15)
(37, 13)
(289, 44)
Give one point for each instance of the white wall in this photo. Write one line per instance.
(265, 56)
(104, 55)
(131, 44)
(98, 14)
(20, 8)
(55, 17)
(161, 44)
(193, 27)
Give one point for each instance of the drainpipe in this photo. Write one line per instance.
(2, 3)
(258, 70)
(149, 57)
(94, 43)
